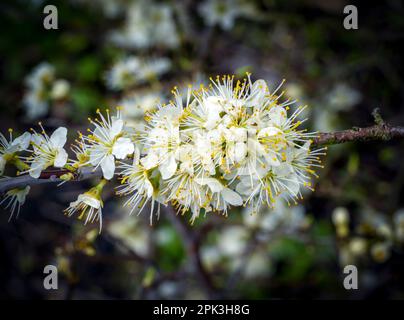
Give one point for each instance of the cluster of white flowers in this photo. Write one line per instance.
(374, 235)
(230, 143)
(42, 88)
(227, 144)
(134, 70)
(232, 246)
(147, 25)
(225, 12)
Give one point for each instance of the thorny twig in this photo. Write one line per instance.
(375, 132)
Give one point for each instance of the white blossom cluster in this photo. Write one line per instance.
(224, 13)
(147, 25)
(134, 70)
(42, 89)
(374, 235)
(230, 143)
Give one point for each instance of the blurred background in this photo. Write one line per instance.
(131, 53)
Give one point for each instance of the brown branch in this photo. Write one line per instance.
(379, 131)
(46, 177)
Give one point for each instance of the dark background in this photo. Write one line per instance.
(302, 41)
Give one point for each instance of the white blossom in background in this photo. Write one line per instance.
(42, 75)
(123, 73)
(47, 151)
(232, 241)
(147, 25)
(284, 218)
(224, 13)
(374, 235)
(342, 97)
(153, 68)
(36, 98)
(133, 71)
(257, 265)
(42, 89)
(35, 103)
(210, 256)
(14, 199)
(9, 147)
(381, 251)
(133, 233)
(60, 89)
(377, 222)
(134, 107)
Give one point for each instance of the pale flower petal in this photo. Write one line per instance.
(36, 168)
(59, 137)
(122, 148)
(91, 201)
(150, 161)
(22, 141)
(2, 165)
(213, 184)
(108, 166)
(61, 158)
(269, 132)
(232, 197)
(168, 167)
(116, 128)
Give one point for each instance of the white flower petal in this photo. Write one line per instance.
(269, 132)
(232, 197)
(277, 115)
(116, 128)
(259, 90)
(213, 184)
(37, 140)
(22, 141)
(108, 166)
(22, 194)
(36, 167)
(149, 188)
(168, 167)
(61, 158)
(91, 201)
(122, 148)
(245, 188)
(136, 156)
(240, 151)
(2, 165)
(150, 161)
(59, 137)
